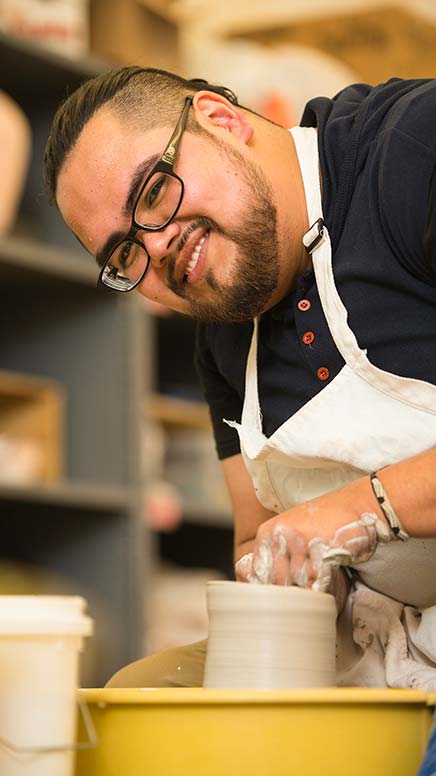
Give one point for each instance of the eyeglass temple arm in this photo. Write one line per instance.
(171, 150)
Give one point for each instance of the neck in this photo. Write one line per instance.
(282, 163)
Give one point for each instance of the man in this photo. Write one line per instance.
(324, 408)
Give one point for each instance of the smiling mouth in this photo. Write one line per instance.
(193, 261)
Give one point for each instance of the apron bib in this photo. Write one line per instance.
(364, 419)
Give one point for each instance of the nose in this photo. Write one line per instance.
(160, 245)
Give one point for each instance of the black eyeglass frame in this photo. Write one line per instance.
(164, 164)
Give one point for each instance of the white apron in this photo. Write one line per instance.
(364, 419)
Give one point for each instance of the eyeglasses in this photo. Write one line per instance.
(156, 205)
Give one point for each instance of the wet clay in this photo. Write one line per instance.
(269, 636)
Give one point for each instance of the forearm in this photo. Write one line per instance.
(341, 519)
(248, 512)
(411, 488)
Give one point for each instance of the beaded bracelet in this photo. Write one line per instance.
(387, 508)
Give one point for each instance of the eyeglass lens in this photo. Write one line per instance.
(156, 206)
(127, 264)
(158, 200)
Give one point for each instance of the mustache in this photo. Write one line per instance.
(202, 222)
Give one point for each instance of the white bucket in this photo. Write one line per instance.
(269, 637)
(40, 641)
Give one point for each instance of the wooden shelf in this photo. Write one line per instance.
(192, 415)
(206, 515)
(69, 494)
(171, 10)
(32, 414)
(86, 524)
(22, 253)
(30, 71)
(178, 412)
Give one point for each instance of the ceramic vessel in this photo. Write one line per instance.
(15, 150)
(269, 636)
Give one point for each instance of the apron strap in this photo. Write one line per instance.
(251, 413)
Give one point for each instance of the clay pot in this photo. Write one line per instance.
(269, 636)
(15, 145)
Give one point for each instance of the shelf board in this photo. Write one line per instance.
(178, 412)
(173, 11)
(69, 494)
(17, 254)
(207, 515)
(31, 71)
(251, 16)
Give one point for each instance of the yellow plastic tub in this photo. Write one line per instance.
(203, 732)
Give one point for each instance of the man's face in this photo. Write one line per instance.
(218, 260)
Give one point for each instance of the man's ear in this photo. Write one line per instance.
(214, 110)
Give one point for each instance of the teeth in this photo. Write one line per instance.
(195, 256)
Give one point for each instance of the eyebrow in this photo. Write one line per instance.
(141, 172)
(109, 245)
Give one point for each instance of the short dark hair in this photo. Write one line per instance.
(151, 96)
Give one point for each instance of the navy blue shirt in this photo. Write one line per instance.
(377, 148)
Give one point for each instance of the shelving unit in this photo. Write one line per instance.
(86, 530)
(18, 254)
(179, 412)
(125, 32)
(68, 494)
(183, 415)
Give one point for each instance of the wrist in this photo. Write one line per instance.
(360, 498)
(368, 495)
(388, 510)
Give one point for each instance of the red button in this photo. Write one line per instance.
(308, 337)
(323, 373)
(303, 304)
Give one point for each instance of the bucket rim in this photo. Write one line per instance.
(205, 696)
(44, 615)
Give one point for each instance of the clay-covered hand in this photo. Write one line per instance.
(307, 544)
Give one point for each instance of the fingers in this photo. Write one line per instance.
(358, 539)
(284, 555)
(243, 567)
(301, 570)
(260, 569)
(279, 558)
(322, 571)
(270, 557)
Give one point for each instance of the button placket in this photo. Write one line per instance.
(308, 337)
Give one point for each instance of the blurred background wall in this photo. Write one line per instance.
(267, 50)
(272, 51)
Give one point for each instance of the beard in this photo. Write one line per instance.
(256, 274)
